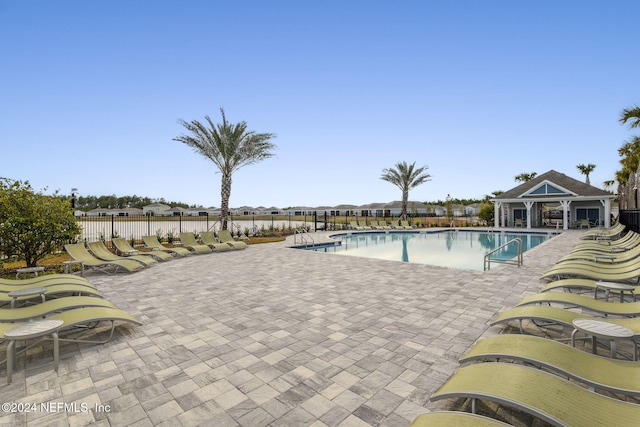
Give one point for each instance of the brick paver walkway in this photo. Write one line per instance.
(272, 336)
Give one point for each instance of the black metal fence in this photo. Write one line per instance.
(631, 219)
(167, 228)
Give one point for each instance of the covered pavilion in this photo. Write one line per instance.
(555, 200)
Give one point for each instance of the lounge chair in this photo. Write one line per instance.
(83, 318)
(354, 226)
(612, 232)
(568, 299)
(383, 225)
(538, 393)
(100, 251)
(616, 376)
(626, 272)
(405, 225)
(188, 240)
(455, 418)
(225, 237)
(600, 257)
(30, 292)
(208, 238)
(379, 225)
(45, 280)
(584, 285)
(154, 244)
(518, 223)
(126, 250)
(542, 315)
(78, 252)
(52, 306)
(628, 241)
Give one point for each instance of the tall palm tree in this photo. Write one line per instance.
(229, 146)
(632, 115)
(586, 170)
(524, 177)
(405, 177)
(626, 175)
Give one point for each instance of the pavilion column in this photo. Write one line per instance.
(607, 212)
(528, 205)
(497, 208)
(565, 213)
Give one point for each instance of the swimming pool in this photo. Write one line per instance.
(457, 249)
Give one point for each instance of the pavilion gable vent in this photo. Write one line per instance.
(547, 188)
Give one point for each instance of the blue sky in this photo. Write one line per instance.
(479, 91)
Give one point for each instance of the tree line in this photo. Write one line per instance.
(87, 203)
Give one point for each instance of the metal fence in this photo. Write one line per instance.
(133, 228)
(631, 219)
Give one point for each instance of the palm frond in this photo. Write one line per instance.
(631, 115)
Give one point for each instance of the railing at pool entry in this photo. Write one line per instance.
(519, 259)
(304, 235)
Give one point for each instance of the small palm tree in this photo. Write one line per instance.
(524, 177)
(586, 170)
(229, 146)
(631, 115)
(405, 177)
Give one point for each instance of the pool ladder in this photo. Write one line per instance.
(519, 261)
(304, 235)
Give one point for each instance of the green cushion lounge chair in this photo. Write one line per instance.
(542, 315)
(188, 240)
(78, 252)
(611, 233)
(225, 237)
(354, 225)
(74, 319)
(600, 257)
(32, 292)
(154, 244)
(122, 245)
(627, 273)
(600, 373)
(100, 251)
(625, 243)
(60, 304)
(85, 316)
(584, 285)
(538, 393)
(455, 419)
(566, 298)
(9, 285)
(208, 238)
(405, 225)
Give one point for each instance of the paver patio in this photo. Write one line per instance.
(272, 336)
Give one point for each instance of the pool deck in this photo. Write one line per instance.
(272, 336)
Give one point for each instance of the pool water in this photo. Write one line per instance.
(456, 249)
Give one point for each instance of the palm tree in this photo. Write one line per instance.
(632, 115)
(626, 176)
(524, 177)
(229, 146)
(586, 170)
(405, 177)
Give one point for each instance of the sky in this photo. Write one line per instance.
(91, 93)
